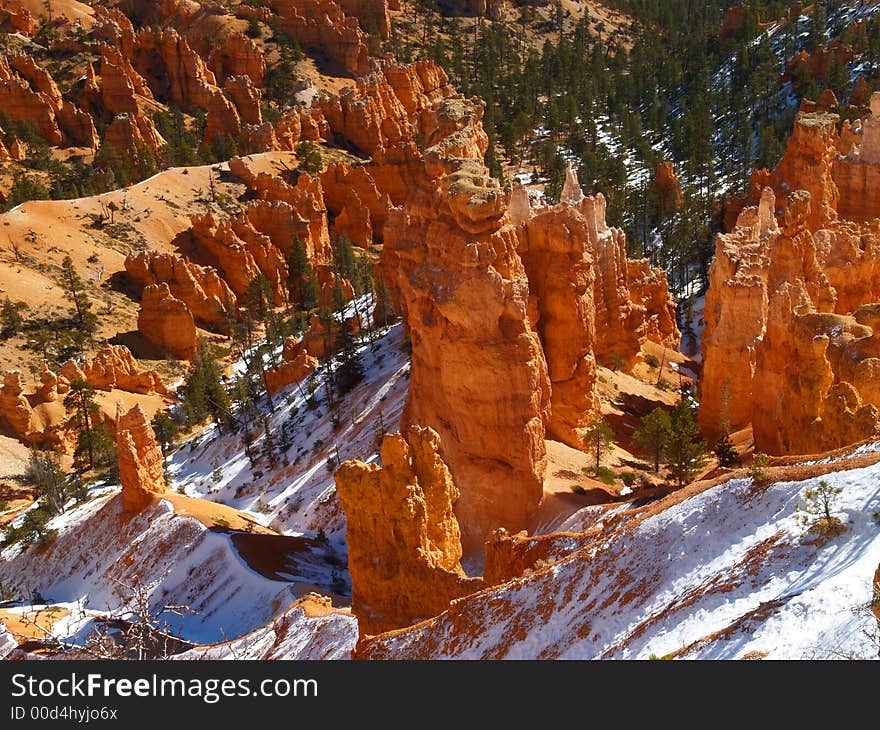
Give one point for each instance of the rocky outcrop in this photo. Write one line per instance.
(140, 460)
(246, 97)
(113, 366)
(389, 109)
(167, 322)
(16, 18)
(359, 209)
(14, 406)
(809, 409)
(120, 84)
(170, 66)
(290, 371)
(133, 136)
(451, 263)
(206, 295)
(857, 172)
(24, 103)
(404, 546)
(238, 56)
(241, 252)
(669, 192)
(556, 251)
(321, 24)
(777, 348)
(806, 165)
(335, 290)
(222, 120)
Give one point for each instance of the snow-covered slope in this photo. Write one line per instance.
(729, 573)
(301, 632)
(300, 496)
(176, 559)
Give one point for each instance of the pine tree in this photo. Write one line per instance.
(166, 430)
(301, 280)
(203, 390)
(350, 370)
(725, 452)
(599, 438)
(685, 451)
(75, 289)
(653, 435)
(80, 402)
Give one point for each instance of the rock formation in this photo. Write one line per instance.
(206, 295)
(140, 460)
(24, 103)
(556, 250)
(359, 209)
(404, 546)
(806, 165)
(669, 192)
(113, 366)
(450, 261)
(239, 55)
(322, 24)
(857, 172)
(778, 345)
(167, 322)
(290, 371)
(14, 407)
(241, 253)
(132, 136)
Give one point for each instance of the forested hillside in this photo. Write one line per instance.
(716, 94)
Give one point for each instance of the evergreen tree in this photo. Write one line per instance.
(301, 280)
(685, 451)
(725, 452)
(80, 402)
(203, 390)
(653, 435)
(599, 438)
(75, 289)
(166, 430)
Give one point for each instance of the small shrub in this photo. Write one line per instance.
(819, 503)
(578, 489)
(603, 474)
(628, 478)
(651, 361)
(758, 467)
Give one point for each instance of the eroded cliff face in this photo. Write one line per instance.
(167, 322)
(206, 295)
(140, 460)
(404, 546)
(778, 348)
(508, 311)
(479, 376)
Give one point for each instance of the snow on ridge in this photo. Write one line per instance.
(728, 573)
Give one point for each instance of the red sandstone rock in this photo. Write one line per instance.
(238, 56)
(451, 263)
(290, 371)
(140, 460)
(14, 407)
(167, 322)
(113, 366)
(205, 294)
(778, 347)
(669, 193)
(404, 546)
(131, 135)
(246, 97)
